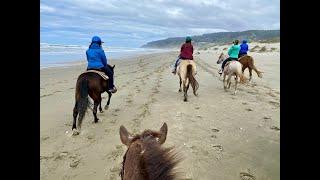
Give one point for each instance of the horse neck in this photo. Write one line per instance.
(224, 57)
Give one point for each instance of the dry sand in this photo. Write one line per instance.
(221, 136)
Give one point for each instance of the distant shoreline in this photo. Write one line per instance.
(124, 57)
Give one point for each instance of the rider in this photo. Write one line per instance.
(233, 54)
(186, 52)
(244, 48)
(97, 60)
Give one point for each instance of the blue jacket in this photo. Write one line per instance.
(96, 57)
(244, 48)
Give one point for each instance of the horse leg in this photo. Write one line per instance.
(250, 73)
(75, 114)
(224, 81)
(95, 107)
(180, 84)
(229, 81)
(106, 107)
(236, 84)
(185, 92)
(100, 108)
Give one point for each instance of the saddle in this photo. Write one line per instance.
(102, 74)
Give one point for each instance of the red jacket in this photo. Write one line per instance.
(186, 51)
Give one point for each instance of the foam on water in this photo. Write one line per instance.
(57, 55)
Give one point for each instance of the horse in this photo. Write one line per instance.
(232, 68)
(92, 84)
(247, 62)
(145, 159)
(186, 71)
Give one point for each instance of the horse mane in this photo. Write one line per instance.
(157, 163)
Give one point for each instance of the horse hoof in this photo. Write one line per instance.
(75, 132)
(96, 120)
(179, 90)
(106, 107)
(185, 100)
(101, 111)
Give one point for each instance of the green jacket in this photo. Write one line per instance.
(234, 51)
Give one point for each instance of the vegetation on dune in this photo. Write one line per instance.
(220, 38)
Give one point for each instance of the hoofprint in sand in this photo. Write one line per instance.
(221, 136)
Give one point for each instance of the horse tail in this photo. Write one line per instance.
(83, 101)
(252, 66)
(192, 80)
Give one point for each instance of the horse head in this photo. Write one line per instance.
(145, 158)
(159, 136)
(222, 57)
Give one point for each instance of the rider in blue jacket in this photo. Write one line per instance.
(244, 48)
(97, 60)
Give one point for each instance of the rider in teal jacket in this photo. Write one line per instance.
(233, 53)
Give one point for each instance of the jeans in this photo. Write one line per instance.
(227, 60)
(177, 62)
(109, 73)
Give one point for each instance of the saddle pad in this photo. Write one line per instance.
(103, 75)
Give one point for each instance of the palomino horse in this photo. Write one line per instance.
(145, 159)
(92, 84)
(232, 68)
(247, 62)
(186, 71)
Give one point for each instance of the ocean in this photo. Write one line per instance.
(57, 55)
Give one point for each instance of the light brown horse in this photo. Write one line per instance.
(145, 159)
(247, 62)
(186, 71)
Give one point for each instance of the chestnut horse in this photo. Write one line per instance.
(247, 62)
(186, 71)
(94, 85)
(145, 159)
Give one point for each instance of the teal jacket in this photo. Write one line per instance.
(234, 51)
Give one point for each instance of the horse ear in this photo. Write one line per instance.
(125, 136)
(113, 66)
(163, 133)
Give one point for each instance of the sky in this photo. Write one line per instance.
(132, 23)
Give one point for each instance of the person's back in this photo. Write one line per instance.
(94, 56)
(234, 51)
(244, 48)
(187, 51)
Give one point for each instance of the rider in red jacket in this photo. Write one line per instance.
(186, 52)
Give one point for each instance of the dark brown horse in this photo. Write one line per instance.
(94, 85)
(145, 159)
(247, 62)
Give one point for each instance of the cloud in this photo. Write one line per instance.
(137, 22)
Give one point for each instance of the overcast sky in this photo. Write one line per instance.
(132, 23)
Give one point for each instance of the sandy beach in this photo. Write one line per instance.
(220, 136)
